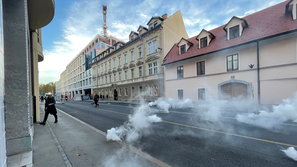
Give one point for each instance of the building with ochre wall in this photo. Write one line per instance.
(253, 57)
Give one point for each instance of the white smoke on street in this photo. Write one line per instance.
(286, 111)
(138, 124)
(291, 153)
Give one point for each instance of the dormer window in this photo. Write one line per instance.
(183, 49)
(234, 32)
(151, 26)
(203, 42)
(155, 23)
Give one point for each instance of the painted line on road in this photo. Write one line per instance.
(133, 149)
(210, 130)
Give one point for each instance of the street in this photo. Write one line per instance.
(182, 139)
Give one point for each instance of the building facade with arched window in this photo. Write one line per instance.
(246, 58)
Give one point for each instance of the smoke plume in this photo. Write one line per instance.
(291, 153)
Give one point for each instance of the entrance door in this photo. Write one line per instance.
(233, 90)
(115, 94)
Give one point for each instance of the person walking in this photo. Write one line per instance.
(49, 108)
(96, 99)
(41, 98)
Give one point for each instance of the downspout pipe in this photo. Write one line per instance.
(258, 73)
(32, 76)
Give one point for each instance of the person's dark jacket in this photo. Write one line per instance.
(96, 97)
(51, 109)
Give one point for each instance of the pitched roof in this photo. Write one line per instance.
(265, 23)
(155, 17)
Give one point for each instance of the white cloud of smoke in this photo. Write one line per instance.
(291, 153)
(286, 111)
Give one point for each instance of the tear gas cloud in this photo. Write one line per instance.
(291, 153)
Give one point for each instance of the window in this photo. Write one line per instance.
(116, 47)
(84, 83)
(201, 94)
(203, 42)
(114, 77)
(232, 62)
(102, 45)
(98, 81)
(120, 92)
(151, 90)
(156, 90)
(90, 81)
(120, 61)
(180, 94)
(180, 71)
(114, 63)
(140, 71)
(140, 89)
(126, 59)
(155, 46)
(150, 48)
(151, 26)
(102, 68)
(105, 67)
(132, 73)
(120, 78)
(234, 32)
(98, 69)
(102, 80)
(126, 92)
(125, 75)
(109, 65)
(105, 79)
(132, 56)
(109, 78)
(133, 91)
(140, 53)
(155, 23)
(150, 69)
(87, 82)
(183, 49)
(155, 68)
(201, 68)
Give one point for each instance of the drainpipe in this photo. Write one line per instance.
(32, 76)
(258, 73)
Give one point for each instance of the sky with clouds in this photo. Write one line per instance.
(76, 22)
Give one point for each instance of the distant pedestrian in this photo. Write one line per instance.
(49, 108)
(103, 97)
(41, 98)
(96, 99)
(100, 96)
(106, 97)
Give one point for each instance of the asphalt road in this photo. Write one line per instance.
(182, 139)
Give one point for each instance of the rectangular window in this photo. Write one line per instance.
(102, 45)
(114, 77)
(232, 62)
(140, 89)
(180, 71)
(102, 68)
(156, 90)
(109, 65)
(180, 94)
(109, 78)
(90, 81)
(201, 68)
(140, 71)
(155, 46)
(155, 23)
(155, 68)
(105, 79)
(201, 94)
(126, 92)
(120, 91)
(151, 90)
(150, 69)
(132, 56)
(183, 49)
(120, 61)
(126, 59)
(203, 42)
(234, 32)
(151, 26)
(125, 75)
(150, 48)
(140, 53)
(133, 93)
(132, 73)
(120, 78)
(114, 63)
(105, 67)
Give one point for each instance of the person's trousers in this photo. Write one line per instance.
(46, 115)
(96, 102)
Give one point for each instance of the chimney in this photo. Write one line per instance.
(164, 16)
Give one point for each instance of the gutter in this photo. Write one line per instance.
(258, 73)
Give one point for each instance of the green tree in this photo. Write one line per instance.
(46, 88)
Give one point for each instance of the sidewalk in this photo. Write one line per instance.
(71, 142)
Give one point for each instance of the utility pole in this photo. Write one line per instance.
(104, 20)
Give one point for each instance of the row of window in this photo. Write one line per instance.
(232, 65)
(201, 94)
(153, 69)
(152, 89)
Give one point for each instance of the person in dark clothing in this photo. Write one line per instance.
(103, 97)
(49, 108)
(96, 99)
(106, 97)
(41, 98)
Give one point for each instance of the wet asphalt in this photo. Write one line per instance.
(184, 139)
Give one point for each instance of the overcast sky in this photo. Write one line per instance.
(76, 22)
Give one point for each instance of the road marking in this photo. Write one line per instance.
(210, 130)
(133, 149)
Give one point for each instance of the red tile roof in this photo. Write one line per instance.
(262, 24)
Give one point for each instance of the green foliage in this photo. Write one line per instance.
(46, 88)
